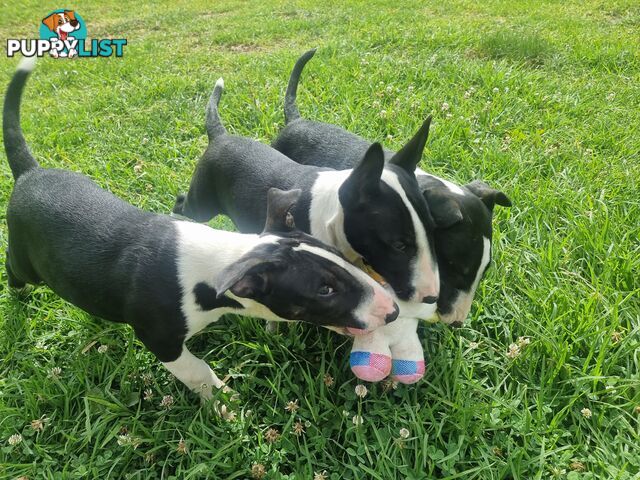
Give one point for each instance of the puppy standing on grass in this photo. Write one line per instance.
(168, 278)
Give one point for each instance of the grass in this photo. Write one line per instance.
(542, 99)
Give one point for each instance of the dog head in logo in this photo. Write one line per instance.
(62, 23)
(63, 28)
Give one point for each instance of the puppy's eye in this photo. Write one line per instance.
(399, 245)
(325, 290)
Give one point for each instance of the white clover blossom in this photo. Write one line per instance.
(361, 390)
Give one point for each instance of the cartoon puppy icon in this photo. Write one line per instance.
(62, 24)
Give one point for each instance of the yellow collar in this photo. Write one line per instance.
(372, 273)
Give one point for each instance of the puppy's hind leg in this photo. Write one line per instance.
(200, 203)
(12, 279)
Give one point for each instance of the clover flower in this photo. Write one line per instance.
(361, 390)
(292, 406)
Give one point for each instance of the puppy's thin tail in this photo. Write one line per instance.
(291, 111)
(20, 158)
(214, 125)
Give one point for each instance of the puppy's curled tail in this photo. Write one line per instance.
(20, 158)
(214, 125)
(291, 111)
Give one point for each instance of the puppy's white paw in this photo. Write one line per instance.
(205, 391)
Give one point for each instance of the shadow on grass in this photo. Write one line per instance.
(518, 46)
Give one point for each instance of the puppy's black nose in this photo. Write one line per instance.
(430, 300)
(74, 23)
(393, 315)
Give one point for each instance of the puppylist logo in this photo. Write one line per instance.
(63, 34)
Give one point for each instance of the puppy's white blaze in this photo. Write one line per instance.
(374, 307)
(425, 277)
(220, 82)
(462, 303)
(451, 186)
(325, 204)
(27, 64)
(202, 253)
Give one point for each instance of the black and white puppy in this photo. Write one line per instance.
(462, 214)
(374, 212)
(165, 277)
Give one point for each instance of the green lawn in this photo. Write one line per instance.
(540, 99)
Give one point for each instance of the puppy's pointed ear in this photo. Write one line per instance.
(280, 204)
(409, 156)
(51, 21)
(364, 179)
(444, 209)
(71, 14)
(488, 195)
(243, 278)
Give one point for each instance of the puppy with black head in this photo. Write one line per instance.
(165, 277)
(373, 213)
(462, 214)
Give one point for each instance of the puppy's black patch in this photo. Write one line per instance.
(206, 298)
(382, 232)
(295, 292)
(297, 284)
(378, 224)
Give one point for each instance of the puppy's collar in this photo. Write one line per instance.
(368, 269)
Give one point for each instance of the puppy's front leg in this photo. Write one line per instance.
(195, 373)
(272, 327)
